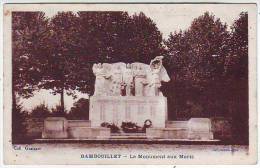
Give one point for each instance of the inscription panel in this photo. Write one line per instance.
(115, 110)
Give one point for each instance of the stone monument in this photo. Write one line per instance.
(129, 92)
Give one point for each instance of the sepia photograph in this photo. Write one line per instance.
(130, 84)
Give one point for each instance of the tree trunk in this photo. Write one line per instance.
(13, 99)
(62, 100)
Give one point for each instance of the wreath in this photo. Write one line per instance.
(147, 123)
(130, 127)
(113, 127)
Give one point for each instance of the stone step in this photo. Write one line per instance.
(130, 141)
(128, 134)
(127, 137)
(177, 124)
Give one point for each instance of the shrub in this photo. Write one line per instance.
(40, 111)
(19, 127)
(80, 110)
(58, 111)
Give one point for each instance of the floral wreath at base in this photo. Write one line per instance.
(148, 123)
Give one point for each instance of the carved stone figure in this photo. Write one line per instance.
(139, 80)
(157, 74)
(129, 92)
(120, 79)
(117, 81)
(100, 74)
(128, 80)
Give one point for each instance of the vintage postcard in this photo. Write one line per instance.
(130, 83)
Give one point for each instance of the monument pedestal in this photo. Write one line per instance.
(137, 109)
(88, 133)
(55, 127)
(200, 128)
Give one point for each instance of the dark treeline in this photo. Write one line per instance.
(208, 64)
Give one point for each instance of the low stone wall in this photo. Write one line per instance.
(34, 127)
(88, 133)
(167, 133)
(177, 124)
(221, 128)
(79, 123)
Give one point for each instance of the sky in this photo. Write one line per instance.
(168, 18)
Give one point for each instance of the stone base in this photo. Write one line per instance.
(167, 133)
(55, 135)
(79, 123)
(55, 127)
(88, 133)
(177, 124)
(194, 129)
(200, 135)
(60, 128)
(116, 109)
(200, 128)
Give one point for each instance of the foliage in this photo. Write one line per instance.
(80, 110)
(114, 37)
(202, 48)
(209, 71)
(236, 64)
(30, 31)
(145, 41)
(207, 64)
(195, 62)
(58, 111)
(60, 74)
(19, 127)
(236, 67)
(40, 111)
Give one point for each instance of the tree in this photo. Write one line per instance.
(29, 33)
(145, 40)
(236, 64)
(99, 41)
(236, 74)
(196, 62)
(115, 37)
(103, 33)
(61, 62)
(19, 127)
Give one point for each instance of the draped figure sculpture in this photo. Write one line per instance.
(128, 80)
(129, 92)
(117, 82)
(156, 76)
(140, 81)
(101, 76)
(136, 79)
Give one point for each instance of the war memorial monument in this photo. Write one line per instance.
(128, 94)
